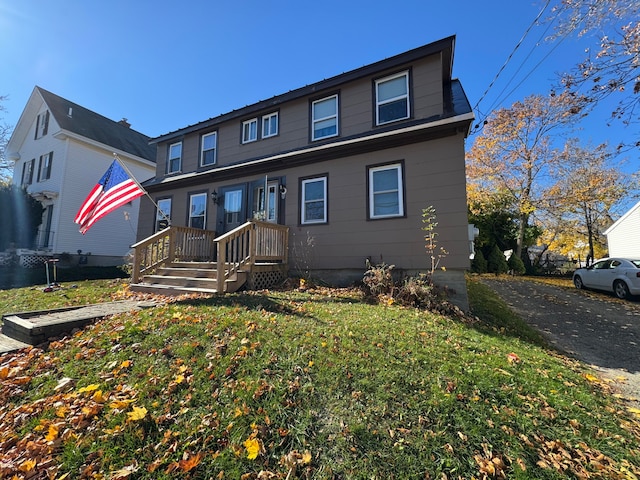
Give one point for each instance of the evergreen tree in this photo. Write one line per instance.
(20, 217)
(496, 263)
(479, 263)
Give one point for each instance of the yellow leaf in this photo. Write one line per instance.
(126, 364)
(27, 465)
(138, 413)
(253, 448)
(89, 388)
(179, 379)
(53, 433)
(306, 457)
(99, 397)
(117, 404)
(635, 411)
(591, 378)
(62, 411)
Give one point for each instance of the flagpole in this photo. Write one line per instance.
(126, 169)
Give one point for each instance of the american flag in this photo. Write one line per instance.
(114, 189)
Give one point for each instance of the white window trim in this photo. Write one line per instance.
(394, 99)
(303, 219)
(215, 149)
(246, 128)
(395, 166)
(204, 214)
(317, 120)
(269, 119)
(169, 158)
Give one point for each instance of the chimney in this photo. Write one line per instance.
(124, 122)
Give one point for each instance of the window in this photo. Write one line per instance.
(324, 118)
(386, 197)
(208, 153)
(42, 124)
(270, 125)
(44, 166)
(314, 200)
(175, 158)
(163, 214)
(197, 210)
(233, 206)
(250, 130)
(27, 172)
(392, 98)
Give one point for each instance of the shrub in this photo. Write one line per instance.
(378, 280)
(516, 265)
(479, 263)
(496, 263)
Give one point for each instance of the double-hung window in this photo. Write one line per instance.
(197, 210)
(163, 214)
(208, 149)
(386, 192)
(174, 160)
(42, 124)
(270, 125)
(250, 130)
(44, 166)
(392, 98)
(27, 172)
(324, 114)
(313, 208)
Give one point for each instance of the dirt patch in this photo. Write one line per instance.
(593, 327)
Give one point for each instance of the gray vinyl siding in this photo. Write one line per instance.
(357, 116)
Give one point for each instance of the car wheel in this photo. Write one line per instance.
(577, 281)
(620, 289)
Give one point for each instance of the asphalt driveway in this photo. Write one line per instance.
(594, 327)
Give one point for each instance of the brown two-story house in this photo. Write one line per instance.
(347, 163)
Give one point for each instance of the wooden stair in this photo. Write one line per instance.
(179, 278)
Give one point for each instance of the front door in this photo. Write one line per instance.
(234, 209)
(265, 207)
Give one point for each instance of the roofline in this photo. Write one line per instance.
(445, 45)
(621, 219)
(458, 123)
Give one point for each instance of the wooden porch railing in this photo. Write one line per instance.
(173, 244)
(252, 242)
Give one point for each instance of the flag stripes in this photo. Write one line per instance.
(114, 189)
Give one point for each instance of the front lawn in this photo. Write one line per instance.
(318, 384)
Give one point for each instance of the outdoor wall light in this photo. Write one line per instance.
(283, 191)
(214, 197)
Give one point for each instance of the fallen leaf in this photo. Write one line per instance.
(253, 448)
(189, 463)
(138, 413)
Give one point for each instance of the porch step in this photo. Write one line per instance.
(168, 290)
(182, 280)
(177, 271)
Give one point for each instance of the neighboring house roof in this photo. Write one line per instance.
(86, 123)
(444, 47)
(622, 218)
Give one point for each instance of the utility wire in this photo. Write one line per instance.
(512, 53)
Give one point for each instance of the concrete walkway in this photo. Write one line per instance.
(20, 330)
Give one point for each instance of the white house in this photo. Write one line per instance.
(61, 150)
(623, 237)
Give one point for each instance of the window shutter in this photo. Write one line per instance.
(46, 124)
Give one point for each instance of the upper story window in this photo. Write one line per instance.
(250, 130)
(208, 149)
(197, 210)
(270, 125)
(27, 172)
(44, 166)
(313, 208)
(386, 197)
(42, 124)
(163, 214)
(392, 98)
(324, 114)
(174, 160)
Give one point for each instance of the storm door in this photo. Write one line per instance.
(265, 207)
(233, 206)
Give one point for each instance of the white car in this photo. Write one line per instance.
(618, 275)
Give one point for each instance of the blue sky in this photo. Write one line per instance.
(167, 64)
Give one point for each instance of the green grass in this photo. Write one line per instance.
(318, 384)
